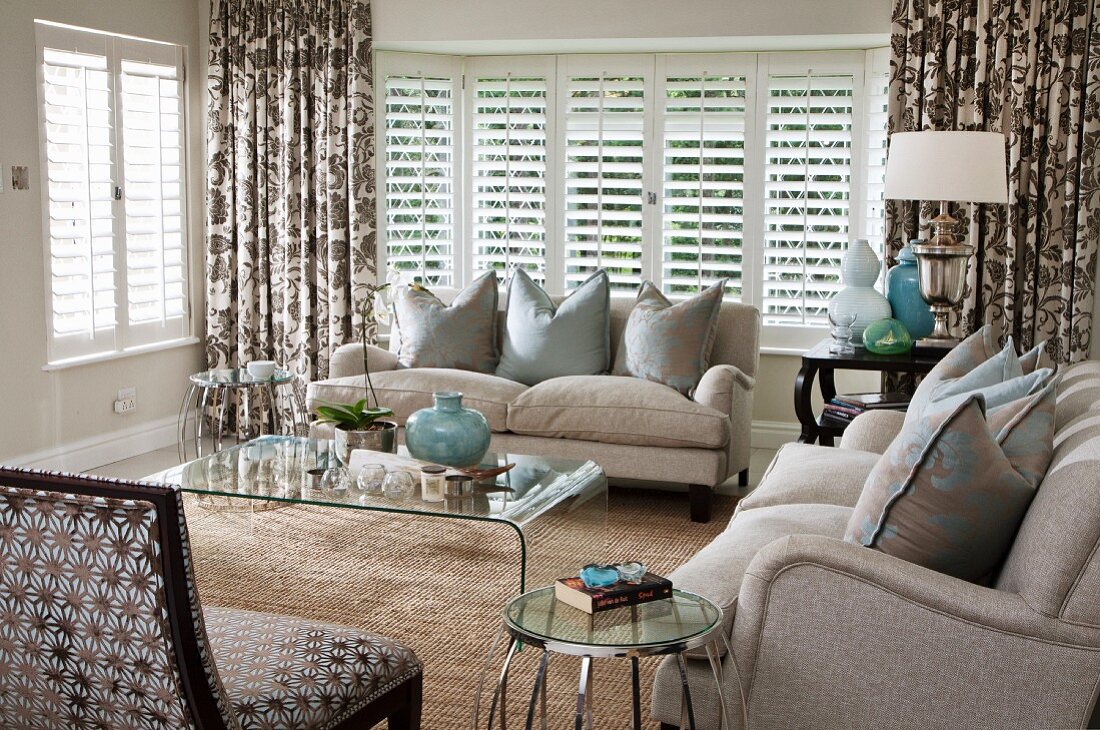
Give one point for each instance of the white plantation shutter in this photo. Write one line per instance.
(151, 123)
(113, 179)
(877, 94)
(420, 191)
(605, 122)
(703, 182)
(508, 203)
(807, 192)
(77, 109)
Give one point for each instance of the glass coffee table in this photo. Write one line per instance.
(670, 626)
(556, 507)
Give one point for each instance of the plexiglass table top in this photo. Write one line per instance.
(238, 378)
(277, 468)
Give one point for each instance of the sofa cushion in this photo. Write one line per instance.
(716, 571)
(460, 335)
(808, 474)
(944, 495)
(543, 341)
(280, 671)
(670, 343)
(408, 390)
(616, 410)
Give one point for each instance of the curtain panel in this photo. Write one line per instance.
(290, 183)
(1029, 69)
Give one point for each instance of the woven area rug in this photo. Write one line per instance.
(435, 585)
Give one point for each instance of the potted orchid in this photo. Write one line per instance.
(361, 425)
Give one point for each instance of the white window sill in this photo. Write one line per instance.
(119, 354)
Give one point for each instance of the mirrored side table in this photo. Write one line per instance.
(247, 405)
(667, 627)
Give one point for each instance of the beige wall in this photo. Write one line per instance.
(465, 20)
(64, 409)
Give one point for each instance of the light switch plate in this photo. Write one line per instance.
(20, 177)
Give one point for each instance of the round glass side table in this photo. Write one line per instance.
(666, 627)
(213, 392)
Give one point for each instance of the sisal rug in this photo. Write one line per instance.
(436, 585)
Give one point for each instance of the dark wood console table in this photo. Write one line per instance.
(818, 361)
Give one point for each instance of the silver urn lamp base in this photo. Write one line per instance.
(941, 273)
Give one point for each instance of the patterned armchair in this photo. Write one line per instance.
(100, 626)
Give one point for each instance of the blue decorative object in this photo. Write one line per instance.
(903, 292)
(599, 576)
(859, 271)
(887, 337)
(447, 434)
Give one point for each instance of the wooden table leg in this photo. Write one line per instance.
(828, 392)
(803, 403)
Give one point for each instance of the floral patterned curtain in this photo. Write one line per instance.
(1030, 69)
(290, 199)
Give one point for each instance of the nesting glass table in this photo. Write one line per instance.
(667, 627)
(556, 507)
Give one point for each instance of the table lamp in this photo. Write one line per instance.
(945, 166)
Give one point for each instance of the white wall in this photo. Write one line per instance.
(70, 411)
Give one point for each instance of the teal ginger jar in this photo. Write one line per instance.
(447, 433)
(903, 292)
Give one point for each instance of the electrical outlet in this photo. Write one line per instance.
(126, 401)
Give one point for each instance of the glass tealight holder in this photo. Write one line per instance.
(398, 485)
(337, 480)
(841, 329)
(370, 479)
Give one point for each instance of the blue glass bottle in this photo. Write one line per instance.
(903, 292)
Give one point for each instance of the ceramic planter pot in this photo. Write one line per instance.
(447, 433)
(382, 436)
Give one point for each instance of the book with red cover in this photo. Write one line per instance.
(872, 401)
(574, 592)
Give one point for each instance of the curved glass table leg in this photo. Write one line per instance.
(737, 676)
(200, 417)
(538, 690)
(181, 423)
(582, 693)
(220, 400)
(686, 691)
(481, 679)
(715, 660)
(501, 692)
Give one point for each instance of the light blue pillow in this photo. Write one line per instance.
(461, 336)
(542, 341)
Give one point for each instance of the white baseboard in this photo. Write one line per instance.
(104, 449)
(773, 434)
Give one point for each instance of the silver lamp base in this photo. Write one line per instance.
(941, 274)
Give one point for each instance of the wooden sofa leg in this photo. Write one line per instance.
(699, 502)
(408, 717)
(743, 478)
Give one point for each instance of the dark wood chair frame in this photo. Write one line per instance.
(400, 706)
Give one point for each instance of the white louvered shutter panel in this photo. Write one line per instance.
(151, 122)
(703, 169)
(77, 114)
(508, 168)
(877, 74)
(605, 122)
(420, 176)
(807, 193)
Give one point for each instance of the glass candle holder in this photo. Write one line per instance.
(841, 331)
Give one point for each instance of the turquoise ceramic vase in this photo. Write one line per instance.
(447, 433)
(859, 270)
(903, 291)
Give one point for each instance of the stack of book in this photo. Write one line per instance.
(843, 408)
(574, 592)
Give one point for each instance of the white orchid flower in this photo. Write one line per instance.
(382, 306)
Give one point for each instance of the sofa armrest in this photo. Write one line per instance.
(348, 360)
(872, 431)
(901, 645)
(719, 385)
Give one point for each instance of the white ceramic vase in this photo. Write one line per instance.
(859, 270)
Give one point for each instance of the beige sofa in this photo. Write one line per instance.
(827, 634)
(634, 429)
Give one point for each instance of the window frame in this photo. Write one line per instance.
(655, 68)
(124, 339)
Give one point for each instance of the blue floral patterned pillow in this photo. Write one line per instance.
(461, 336)
(670, 343)
(946, 493)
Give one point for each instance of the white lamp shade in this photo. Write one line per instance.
(960, 166)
